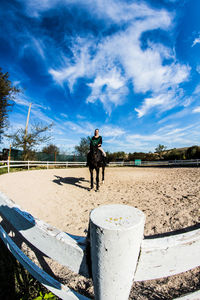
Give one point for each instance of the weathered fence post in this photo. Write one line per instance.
(116, 233)
(28, 165)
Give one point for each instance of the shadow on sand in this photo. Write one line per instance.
(76, 181)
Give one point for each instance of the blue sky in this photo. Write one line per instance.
(130, 68)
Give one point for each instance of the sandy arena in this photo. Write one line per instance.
(168, 196)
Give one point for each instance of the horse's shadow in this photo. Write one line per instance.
(76, 181)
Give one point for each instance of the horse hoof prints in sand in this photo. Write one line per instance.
(96, 161)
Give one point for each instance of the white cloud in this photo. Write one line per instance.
(196, 109)
(64, 115)
(175, 116)
(169, 135)
(119, 59)
(87, 128)
(196, 41)
(198, 69)
(163, 101)
(84, 128)
(117, 11)
(197, 90)
(36, 109)
(20, 99)
(187, 101)
(80, 117)
(111, 131)
(110, 89)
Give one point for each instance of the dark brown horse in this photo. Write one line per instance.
(96, 161)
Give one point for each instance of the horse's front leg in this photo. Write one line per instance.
(103, 168)
(91, 178)
(97, 178)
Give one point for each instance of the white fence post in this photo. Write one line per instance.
(28, 165)
(8, 164)
(47, 164)
(116, 233)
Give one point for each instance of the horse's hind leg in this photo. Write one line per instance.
(103, 169)
(97, 178)
(91, 178)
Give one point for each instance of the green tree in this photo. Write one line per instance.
(121, 155)
(27, 142)
(193, 152)
(51, 149)
(160, 149)
(7, 93)
(84, 147)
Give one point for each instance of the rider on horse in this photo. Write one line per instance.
(96, 141)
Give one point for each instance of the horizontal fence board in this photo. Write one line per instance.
(3, 167)
(45, 279)
(68, 250)
(167, 256)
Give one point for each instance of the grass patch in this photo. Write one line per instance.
(16, 282)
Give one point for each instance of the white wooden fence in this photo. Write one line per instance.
(116, 235)
(47, 164)
(190, 162)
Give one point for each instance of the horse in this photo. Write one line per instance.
(96, 161)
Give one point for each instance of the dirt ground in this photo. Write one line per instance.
(168, 196)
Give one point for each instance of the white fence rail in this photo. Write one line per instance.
(192, 162)
(159, 257)
(28, 164)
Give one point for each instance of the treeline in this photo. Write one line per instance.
(172, 154)
(122, 156)
(185, 153)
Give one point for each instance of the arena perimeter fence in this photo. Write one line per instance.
(48, 164)
(115, 252)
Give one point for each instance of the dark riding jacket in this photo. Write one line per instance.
(96, 141)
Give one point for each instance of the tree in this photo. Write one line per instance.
(84, 147)
(121, 155)
(193, 152)
(7, 93)
(29, 141)
(160, 149)
(51, 149)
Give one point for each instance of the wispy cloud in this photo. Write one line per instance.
(196, 41)
(164, 101)
(84, 128)
(197, 90)
(166, 135)
(196, 109)
(112, 131)
(198, 69)
(64, 115)
(110, 63)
